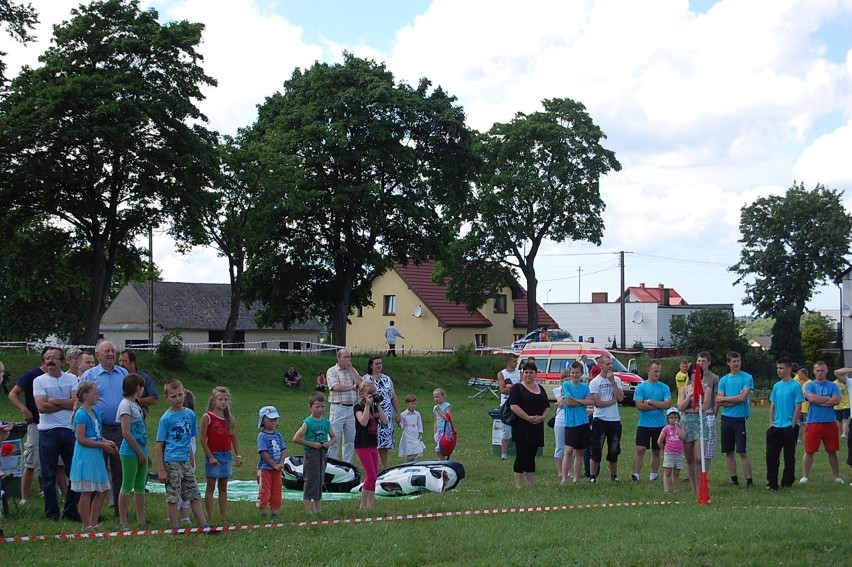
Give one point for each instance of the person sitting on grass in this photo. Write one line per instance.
(292, 379)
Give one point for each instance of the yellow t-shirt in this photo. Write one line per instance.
(680, 381)
(803, 384)
(844, 395)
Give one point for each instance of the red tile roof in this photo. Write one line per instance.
(652, 295)
(521, 317)
(419, 281)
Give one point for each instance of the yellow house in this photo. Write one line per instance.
(429, 321)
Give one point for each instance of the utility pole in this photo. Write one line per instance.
(579, 269)
(623, 299)
(151, 285)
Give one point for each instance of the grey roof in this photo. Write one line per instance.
(203, 306)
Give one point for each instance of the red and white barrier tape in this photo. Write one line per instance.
(340, 521)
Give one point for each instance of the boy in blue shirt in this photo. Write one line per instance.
(272, 450)
(785, 407)
(652, 398)
(733, 396)
(316, 436)
(177, 428)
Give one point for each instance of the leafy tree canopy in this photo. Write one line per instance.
(787, 336)
(361, 173)
(97, 138)
(540, 179)
(791, 245)
(716, 331)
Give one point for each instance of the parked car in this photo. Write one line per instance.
(553, 335)
(552, 357)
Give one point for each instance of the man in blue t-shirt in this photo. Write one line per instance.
(652, 398)
(821, 426)
(785, 407)
(733, 397)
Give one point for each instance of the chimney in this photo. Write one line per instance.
(665, 295)
(642, 285)
(600, 297)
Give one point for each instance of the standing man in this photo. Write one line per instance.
(652, 399)
(785, 405)
(711, 382)
(821, 427)
(606, 392)
(85, 361)
(28, 409)
(845, 375)
(733, 396)
(391, 334)
(127, 360)
(109, 378)
(802, 379)
(343, 383)
(55, 392)
(682, 376)
(507, 378)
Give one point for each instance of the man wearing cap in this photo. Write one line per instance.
(507, 378)
(343, 383)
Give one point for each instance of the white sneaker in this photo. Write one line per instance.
(803, 480)
(22, 502)
(839, 480)
(654, 476)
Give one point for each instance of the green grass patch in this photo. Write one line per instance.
(803, 525)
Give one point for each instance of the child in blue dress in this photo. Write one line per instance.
(88, 474)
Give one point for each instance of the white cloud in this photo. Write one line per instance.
(827, 160)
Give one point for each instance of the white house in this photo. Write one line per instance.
(200, 311)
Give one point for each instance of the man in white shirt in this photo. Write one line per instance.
(55, 392)
(505, 380)
(606, 391)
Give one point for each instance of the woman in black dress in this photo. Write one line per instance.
(528, 401)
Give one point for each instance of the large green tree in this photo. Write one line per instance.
(716, 331)
(792, 244)
(19, 19)
(97, 138)
(362, 173)
(540, 180)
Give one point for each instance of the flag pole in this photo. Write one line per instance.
(703, 487)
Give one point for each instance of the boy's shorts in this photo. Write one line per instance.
(224, 469)
(181, 483)
(825, 433)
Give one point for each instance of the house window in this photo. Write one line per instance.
(390, 305)
(500, 303)
(360, 312)
(481, 340)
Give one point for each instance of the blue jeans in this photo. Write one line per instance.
(53, 443)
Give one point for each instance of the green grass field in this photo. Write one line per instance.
(806, 525)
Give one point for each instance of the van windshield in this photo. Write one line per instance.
(557, 365)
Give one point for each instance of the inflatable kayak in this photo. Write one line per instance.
(340, 476)
(418, 477)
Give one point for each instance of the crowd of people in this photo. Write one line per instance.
(87, 439)
(87, 435)
(813, 412)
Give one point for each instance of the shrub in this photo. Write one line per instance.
(170, 351)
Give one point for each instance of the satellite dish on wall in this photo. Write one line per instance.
(637, 317)
(418, 311)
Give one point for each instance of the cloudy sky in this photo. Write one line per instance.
(707, 104)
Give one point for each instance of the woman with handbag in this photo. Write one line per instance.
(528, 401)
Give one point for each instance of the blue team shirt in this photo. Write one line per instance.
(733, 385)
(178, 430)
(821, 414)
(785, 396)
(575, 415)
(273, 443)
(648, 391)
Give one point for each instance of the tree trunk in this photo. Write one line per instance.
(235, 270)
(100, 284)
(532, 294)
